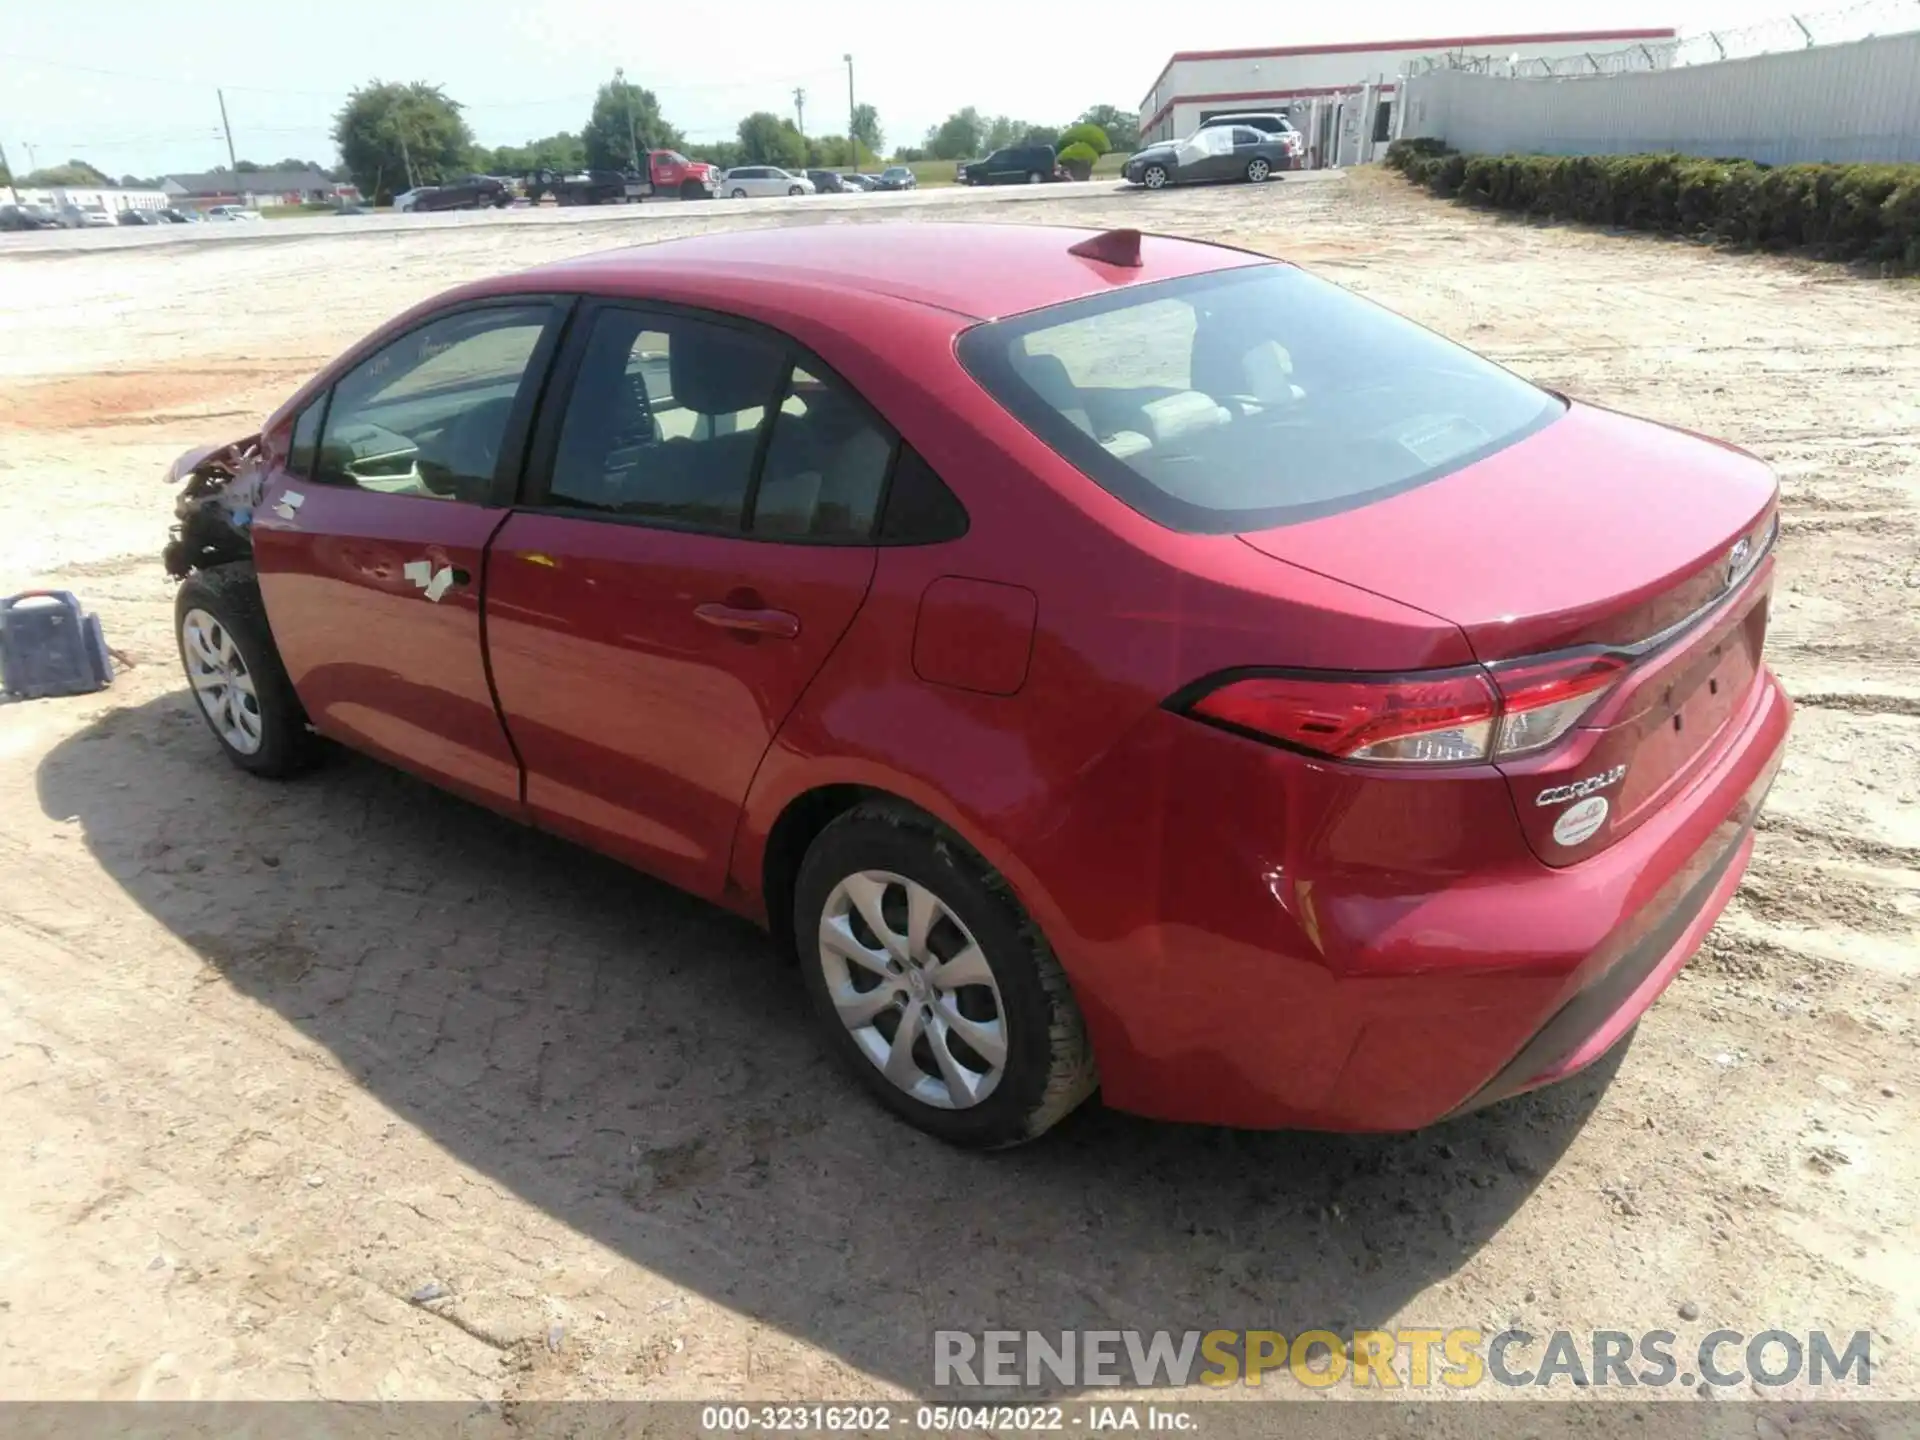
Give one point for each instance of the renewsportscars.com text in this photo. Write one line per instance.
(1416, 1359)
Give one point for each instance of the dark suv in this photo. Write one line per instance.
(27, 217)
(1015, 165)
(473, 193)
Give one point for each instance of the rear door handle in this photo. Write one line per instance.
(753, 622)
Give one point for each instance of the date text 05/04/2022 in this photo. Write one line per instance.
(942, 1419)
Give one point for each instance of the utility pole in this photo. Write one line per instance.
(800, 110)
(853, 144)
(232, 163)
(12, 194)
(633, 135)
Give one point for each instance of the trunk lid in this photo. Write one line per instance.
(1598, 531)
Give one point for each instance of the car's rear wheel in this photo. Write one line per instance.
(234, 669)
(1258, 170)
(934, 985)
(1154, 177)
(1034, 177)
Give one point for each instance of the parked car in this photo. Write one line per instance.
(1270, 122)
(858, 182)
(1227, 715)
(27, 217)
(172, 215)
(897, 177)
(1015, 165)
(136, 217)
(232, 212)
(84, 217)
(1232, 152)
(744, 181)
(829, 182)
(475, 192)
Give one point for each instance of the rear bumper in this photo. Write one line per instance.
(1268, 985)
(1595, 1019)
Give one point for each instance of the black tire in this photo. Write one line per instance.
(692, 190)
(795, 190)
(1258, 171)
(739, 194)
(1049, 1069)
(230, 594)
(1154, 177)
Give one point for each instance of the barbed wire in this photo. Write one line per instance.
(1706, 47)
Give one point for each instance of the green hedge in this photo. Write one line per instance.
(1840, 212)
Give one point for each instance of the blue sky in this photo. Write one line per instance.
(129, 84)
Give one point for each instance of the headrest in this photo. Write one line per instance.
(717, 371)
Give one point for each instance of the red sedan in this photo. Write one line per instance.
(1103, 660)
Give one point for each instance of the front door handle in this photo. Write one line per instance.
(782, 623)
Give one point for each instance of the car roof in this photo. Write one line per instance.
(981, 271)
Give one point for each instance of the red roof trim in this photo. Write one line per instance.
(1456, 42)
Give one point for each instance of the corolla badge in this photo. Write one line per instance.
(1580, 789)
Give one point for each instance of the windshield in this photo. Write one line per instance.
(1249, 398)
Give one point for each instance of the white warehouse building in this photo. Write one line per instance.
(1323, 88)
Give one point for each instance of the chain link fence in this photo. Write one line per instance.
(1784, 33)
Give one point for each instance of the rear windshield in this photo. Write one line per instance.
(1249, 398)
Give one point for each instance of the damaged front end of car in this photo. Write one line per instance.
(214, 514)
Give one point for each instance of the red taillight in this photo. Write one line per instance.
(1540, 700)
(1446, 717)
(1437, 719)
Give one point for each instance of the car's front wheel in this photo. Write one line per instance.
(1154, 177)
(934, 985)
(1258, 170)
(739, 194)
(795, 190)
(238, 681)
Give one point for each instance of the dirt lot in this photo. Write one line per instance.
(276, 1059)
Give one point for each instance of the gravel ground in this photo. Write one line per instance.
(347, 1089)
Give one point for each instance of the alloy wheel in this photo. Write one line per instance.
(1155, 177)
(221, 681)
(914, 989)
(1256, 170)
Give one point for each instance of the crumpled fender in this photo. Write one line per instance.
(214, 513)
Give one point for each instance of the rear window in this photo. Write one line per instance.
(1249, 398)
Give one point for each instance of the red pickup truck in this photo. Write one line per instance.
(668, 173)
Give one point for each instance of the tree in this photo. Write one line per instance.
(563, 152)
(394, 136)
(1122, 126)
(867, 131)
(958, 136)
(766, 139)
(1089, 135)
(77, 173)
(908, 154)
(724, 153)
(625, 113)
